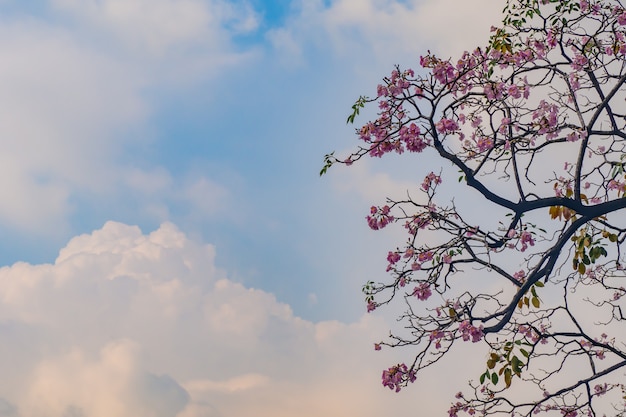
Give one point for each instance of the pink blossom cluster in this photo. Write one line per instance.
(472, 72)
(422, 257)
(442, 70)
(569, 412)
(392, 258)
(377, 135)
(429, 180)
(600, 389)
(484, 144)
(397, 84)
(574, 80)
(580, 61)
(396, 376)
(530, 334)
(526, 239)
(576, 135)
(546, 119)
(379, 217)
(616, 185)
(436, 336)
(412, 138)
(447, 126)
(494, 90)
(498, 90)
(468, 331)
(419, 221)
(422, 291)
(520, 276)
(459, 406)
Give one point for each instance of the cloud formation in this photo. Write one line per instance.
(379, 30)
(125, 323)
(76, 103)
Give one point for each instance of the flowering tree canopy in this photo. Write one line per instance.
(535, 123)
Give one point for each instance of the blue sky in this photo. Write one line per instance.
(204, 124)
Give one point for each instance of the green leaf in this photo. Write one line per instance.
(483, 376)
(328, 162)
(508, 377)
(539, 284)
(360, 103)
(524, 352)
(535, 302)
(494, 378)
(516, 364)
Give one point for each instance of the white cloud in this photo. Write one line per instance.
(63, 107)
(375, 30)
(126, 323)
(75, 98)
(111, 384)
(159, 26)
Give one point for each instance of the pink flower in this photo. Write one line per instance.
(379, 218)
(425, 256)
(584, 5)
(574, 81)
(569, 412)
(579, 62)
(377, 346)
(371, 306)
(600, 389)
(520, 276)
(447, 126)
(422, 291)
(494, 91)
(412, 138)
(444, 72)
(437, 335)
(429, 180)
(484, 144)
(470, 332)
(397, 375)
(527, 239)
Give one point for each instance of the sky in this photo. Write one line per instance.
(168, 248)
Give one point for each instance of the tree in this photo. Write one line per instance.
(535, 124)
